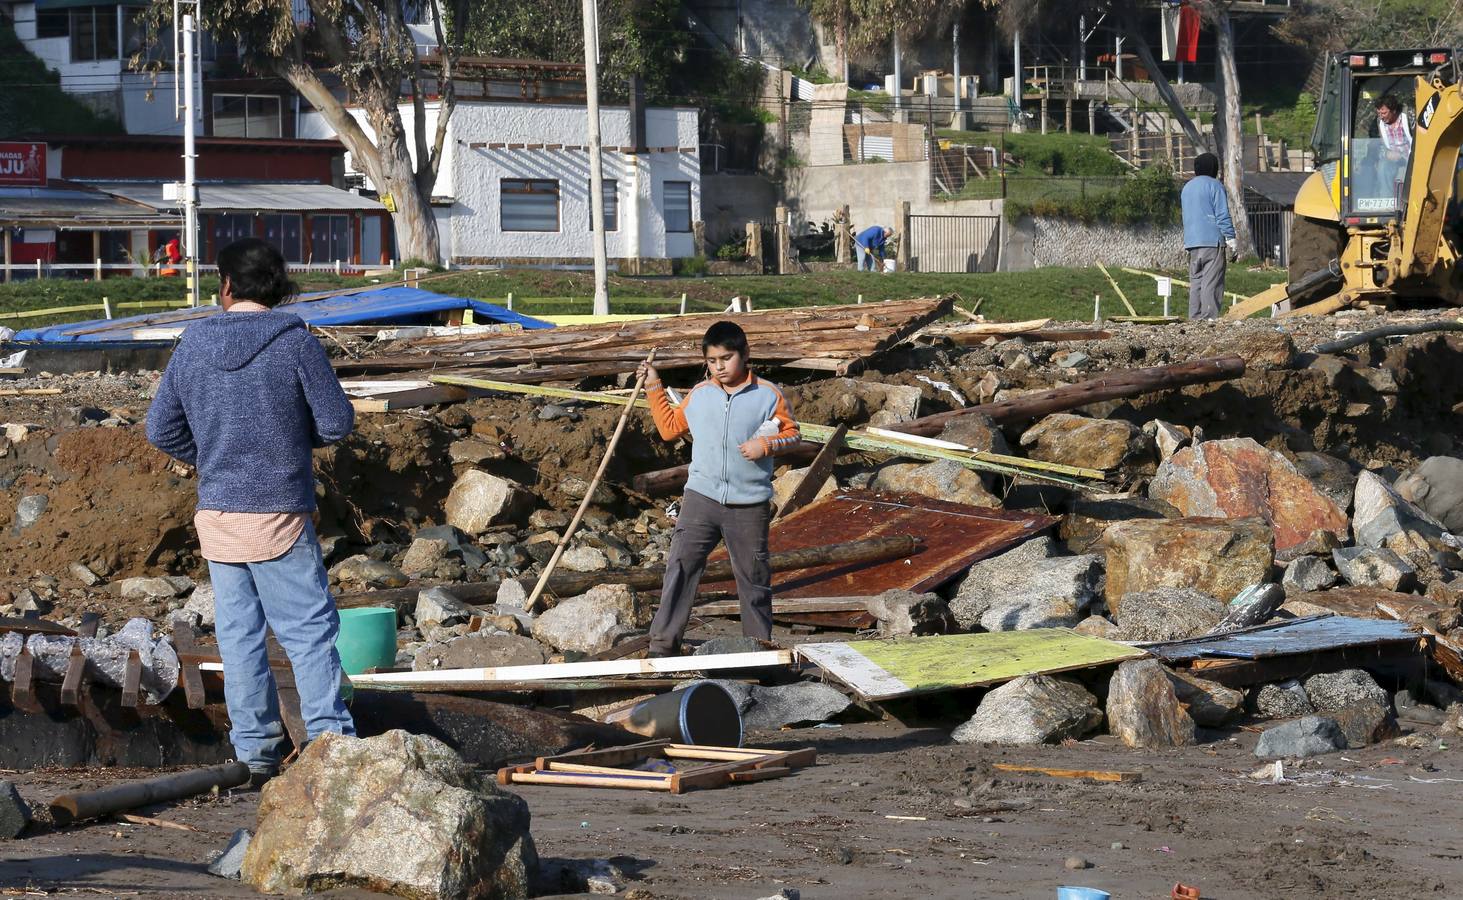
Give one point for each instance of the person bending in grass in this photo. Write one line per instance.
(737, 423)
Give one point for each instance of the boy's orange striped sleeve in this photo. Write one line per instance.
(670, 420)
(788, 434)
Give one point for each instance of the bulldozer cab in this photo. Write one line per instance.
(1364, 152)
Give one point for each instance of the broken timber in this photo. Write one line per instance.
(1109, 386)
(835, 337)
(607, 768)
(884, 670)
(656, 666)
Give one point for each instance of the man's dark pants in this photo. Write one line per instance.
(704, 522)
(1206, 282)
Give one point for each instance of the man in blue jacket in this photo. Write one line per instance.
(869, 244)
(1208, 236)
(245, 398)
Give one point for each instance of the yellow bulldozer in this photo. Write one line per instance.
(1378, 223)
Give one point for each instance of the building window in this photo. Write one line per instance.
(230, 227)
(677, 206)
(529, 204)
(246, 115)
(283, 231)
(330, 239)
(93, 33)
(53, 23)
(612, 204)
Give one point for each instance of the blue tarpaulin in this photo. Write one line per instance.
(381, 306)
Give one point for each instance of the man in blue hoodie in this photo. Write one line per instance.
(245, 398)
(869, 244)
(1208, 236)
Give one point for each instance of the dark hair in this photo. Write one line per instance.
(1206, 164)
(728, 336)
(1391, 102)
(256, 271)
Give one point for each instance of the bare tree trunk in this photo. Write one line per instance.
(1228, 128)
(1162, 85)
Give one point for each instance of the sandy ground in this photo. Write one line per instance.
(1375, 823)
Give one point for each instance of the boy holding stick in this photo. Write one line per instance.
(737, 423)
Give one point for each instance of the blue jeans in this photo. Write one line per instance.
(291, 595)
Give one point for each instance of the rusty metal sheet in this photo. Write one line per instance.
(1299, 636)
(955, 536)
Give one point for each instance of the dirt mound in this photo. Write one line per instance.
(111, 498)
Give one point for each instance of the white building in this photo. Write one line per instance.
(90, 48)
(514, 183)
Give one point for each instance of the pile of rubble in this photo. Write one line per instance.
(1312, 488)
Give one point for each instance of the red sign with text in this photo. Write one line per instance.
(23, 163)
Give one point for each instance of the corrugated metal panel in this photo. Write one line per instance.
(871, 147)
(246, 196)
(954, 536)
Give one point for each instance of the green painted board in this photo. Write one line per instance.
(883, 670)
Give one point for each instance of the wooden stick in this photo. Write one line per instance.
(135, 819)
(30, 392)
(813, 480)
(571, 779)
(667, 664)
(69, 808)
(543, 578)
(1093, 774)
(1121, 296)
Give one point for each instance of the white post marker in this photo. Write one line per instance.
(190, 161)
(596, 162)
(1165, 289)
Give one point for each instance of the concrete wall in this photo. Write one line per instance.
(870, 190)
(1036, 242)
(729, 202)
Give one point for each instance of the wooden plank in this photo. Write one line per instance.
(760, 774)
(34, 626)
(662, 665)
(1121, 296)
(883, 670)
(88, 625)
(571, 779)
(785, 605)
(1241, 673)
(952, 535)
(23, 689)
(396, 400)
(1091, 774)
(1298, 637)
(609, 756)
(816, 475)
(71, 681)
(29, 392)
(186, 640)
(132, 679)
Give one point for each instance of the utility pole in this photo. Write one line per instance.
(596, 162)
(190, 150)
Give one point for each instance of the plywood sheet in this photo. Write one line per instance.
(1299, 636)
(883, 670)
(954, 535)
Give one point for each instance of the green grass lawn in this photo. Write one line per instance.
(1059, 293)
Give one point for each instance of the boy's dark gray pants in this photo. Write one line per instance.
(702, 524)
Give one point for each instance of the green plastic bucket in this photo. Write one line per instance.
(367, 638)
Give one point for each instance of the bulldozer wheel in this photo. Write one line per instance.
(1313, 244)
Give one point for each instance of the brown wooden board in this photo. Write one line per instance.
(954, 535)
(1294, 638)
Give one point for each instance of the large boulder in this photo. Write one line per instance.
(1168, 614)
(1384, 519)
(1083, 527)
(480, 500)
(1142, 708)
(438, 604)
(14, 812)
(1239, 478)
(424, 556)
(1033, 709)
(1331, 476)
(1306, 574)
(1220, 557)
(1210, 703)
(591, 622)
(943, 480)
(1365, 722)
(1309, 736)
(1283, 700)
(1436, 487)
(400, 813)
(978, 432)
(367, 572)
(1027, 587)
(902, 613)
(786, 484)
(1330, 691)
(1079, 441)
(481, 650)
(1374, 567)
